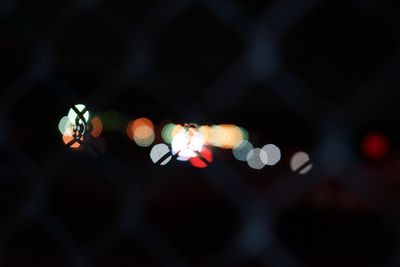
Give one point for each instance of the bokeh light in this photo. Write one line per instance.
(141, 131)
(160, 154)
(254, 158)
(240, 152)
(300, 162)
(187, 143)
(203, 159)
(207, 132)
(227, 136)
(97, 125)
(273, 154)
(70, 140)
(64, 125)
(74, 116)
(375, 146)
(166, 132)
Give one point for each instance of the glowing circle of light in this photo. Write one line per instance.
(65, 125)
(141, 131)
(300, 163)
(144, 136)
(187, 143)
(203, 159)
(375, 146)
(254, 158)
(167, 132)
(274, 154)
(71, 141)
(73, 115)
(160, 154)
(240, 152)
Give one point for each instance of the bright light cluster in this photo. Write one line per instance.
(77, 124)
(226, 136)
(184, 142)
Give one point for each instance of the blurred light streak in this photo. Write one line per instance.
(207, 133)
(227, 136)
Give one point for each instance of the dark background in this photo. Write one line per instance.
(305, 75)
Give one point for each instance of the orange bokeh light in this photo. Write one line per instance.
(67, 138)
(97, 127)
(227, 136)
(134, 125)
(141, 131)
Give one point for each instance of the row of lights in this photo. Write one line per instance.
(187, 142)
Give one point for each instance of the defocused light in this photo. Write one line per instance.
(64, 125)
(141, 131)
(300, 162)
(187, 143)
(240, 152)
(375, 146)
(74, 126)
(166, 132)
(273, 155)
(245, 134)
(78, 115)
(254, 158)
(113, 121)
(207, 132)
(144, 136)
(70, 140)
(204, 158)
(227, 136)
(97, 127)
(160, 154)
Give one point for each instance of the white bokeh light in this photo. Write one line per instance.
(72, 115)
(254, 158)
(273, 155)
(187, 143)
(300, 162)
(159, 152)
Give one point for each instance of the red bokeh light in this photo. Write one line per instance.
(375, 146)
(203, 161)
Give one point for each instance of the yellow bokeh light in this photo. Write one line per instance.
(227, 136)
(207, 132)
